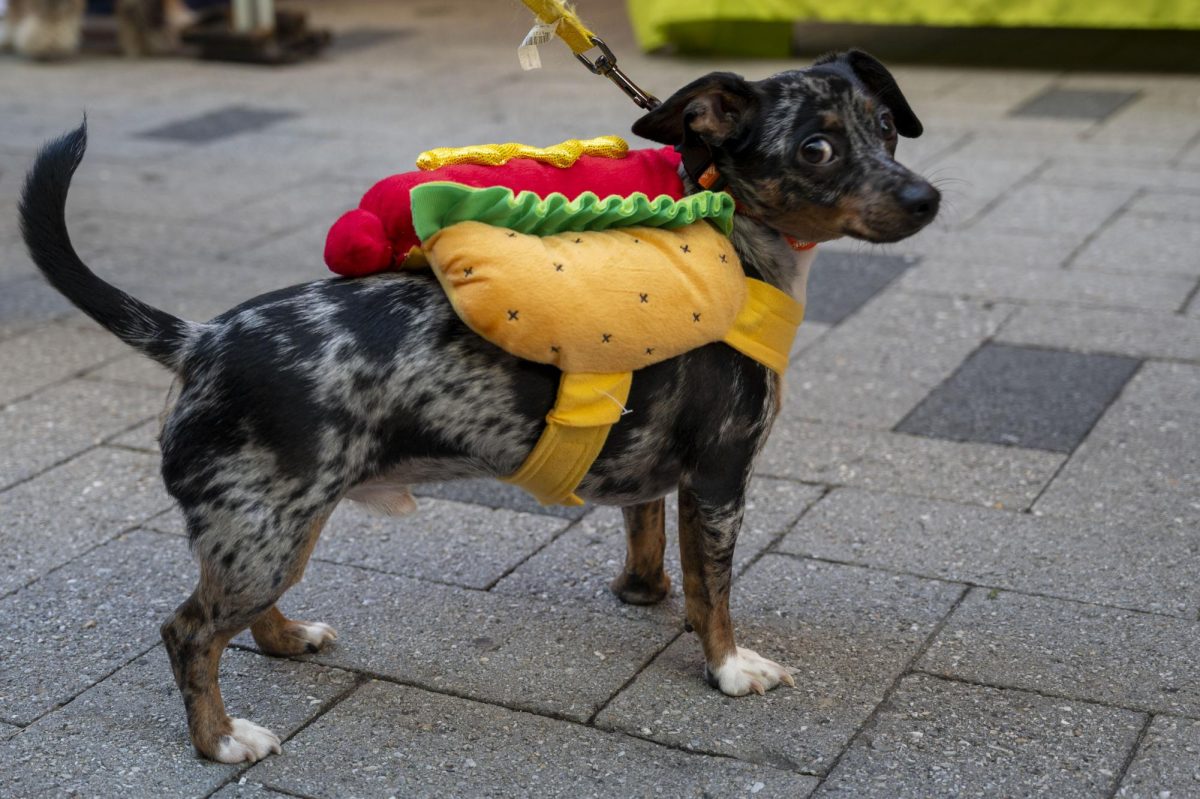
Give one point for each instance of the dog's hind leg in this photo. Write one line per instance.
(643, 581)
(241, 578)
(708, 529)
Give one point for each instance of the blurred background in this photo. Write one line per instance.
(974, 532)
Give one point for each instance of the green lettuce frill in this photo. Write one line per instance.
(440, 204)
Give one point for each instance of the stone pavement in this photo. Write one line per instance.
(974, 535)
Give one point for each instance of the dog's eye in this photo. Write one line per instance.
(887, 125)
(817, 150)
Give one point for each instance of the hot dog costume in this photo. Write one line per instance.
(586, 256)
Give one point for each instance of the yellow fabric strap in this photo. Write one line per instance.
(587, 407)
(766, 325)
(561, 155)
(571, 29)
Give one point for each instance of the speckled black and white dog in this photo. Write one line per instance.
(336, 389)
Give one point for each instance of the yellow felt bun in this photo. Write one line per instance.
(601, 301)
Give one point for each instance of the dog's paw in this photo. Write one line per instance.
(314, 634)
(247, 743)
(745, 671)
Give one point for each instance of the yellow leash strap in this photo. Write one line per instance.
(570, 28)
(588, 405)
(577, 36)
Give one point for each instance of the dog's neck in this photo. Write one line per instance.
(766, 254)
(763, 250)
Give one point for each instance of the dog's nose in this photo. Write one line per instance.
(920, 200)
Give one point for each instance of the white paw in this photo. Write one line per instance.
(315, 634)
(745, 671)
(247, 743)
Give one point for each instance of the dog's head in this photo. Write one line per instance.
(808, 151)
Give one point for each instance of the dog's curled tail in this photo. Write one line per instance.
(155, 333)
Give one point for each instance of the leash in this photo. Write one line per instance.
(555, 18)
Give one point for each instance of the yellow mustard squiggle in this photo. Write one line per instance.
(561, 155)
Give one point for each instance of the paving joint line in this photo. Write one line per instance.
(84, 553)
(333, 702)
(102, 443)
(1047, 694)
(76, 375)
(60, 705)
(1133, 753)
(538, 550)
(873, 717)
(983, 586)
(1069, 262)
(1087, 434)
(1187, 300)
(1025, 180)
(442, 691)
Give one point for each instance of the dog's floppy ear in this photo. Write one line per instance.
(715, 108)
(879, 82)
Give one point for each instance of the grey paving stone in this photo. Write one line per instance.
(1012, 249)
(49, 354)
(495, 494)
(844, 281)
(409, 742)
(218, 124)
(847, 633)
(1174, 205)
(364, 38)
(1116, 176)
(62, 421)
(942, 739)
(245, 789)
(1046, 286)
(982, 474)
(1051, 208)
(78, 624)
(128, 736)
(26, 302)
(874, 367)
(1166, 762)
(580, 564)
(1093, 104)
(136, 369)
(449, 542)
(117, 233)
(522, 653)
(56, 516)
(808, 335)
(1138, 334)
(7, 731)
(1141, 464)
(1142, 568)
(1070, 649)
(1021, 396)
(143, 437)
(970, 184)
(1145, 245)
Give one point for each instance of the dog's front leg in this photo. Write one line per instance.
(643, 581)
(708, 529)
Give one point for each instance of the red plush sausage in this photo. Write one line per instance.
(378, 234)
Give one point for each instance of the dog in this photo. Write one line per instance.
(359, 388)
(47, 30)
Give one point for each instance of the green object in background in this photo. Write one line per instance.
(764, 27)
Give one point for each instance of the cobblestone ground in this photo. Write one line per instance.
(974, 534)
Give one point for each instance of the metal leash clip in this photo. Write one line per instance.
(606, 66)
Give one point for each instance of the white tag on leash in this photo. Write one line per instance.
(539, 34)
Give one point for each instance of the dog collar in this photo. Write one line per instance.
(710, 178)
